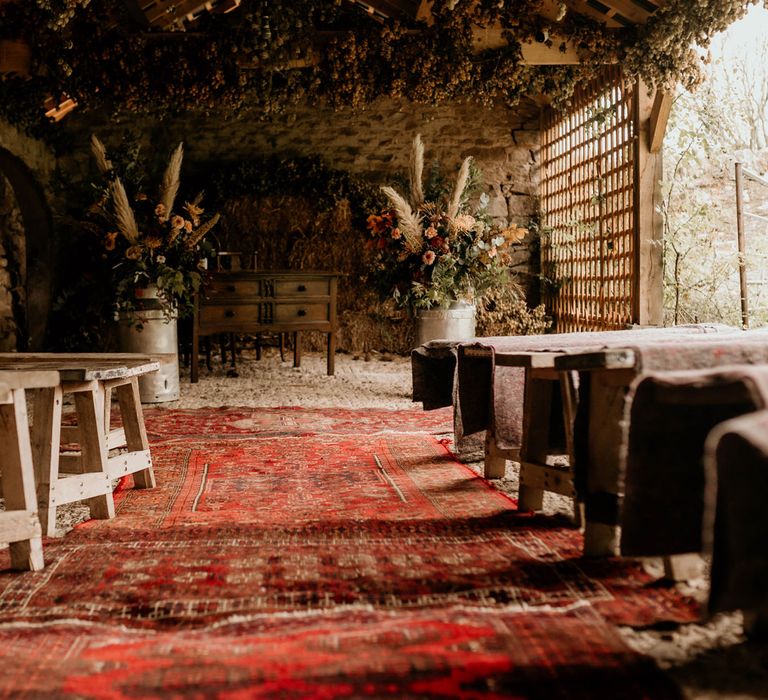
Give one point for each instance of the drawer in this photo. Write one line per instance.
(236, 314)
(302, 287)
(218, 288)
(300, 313)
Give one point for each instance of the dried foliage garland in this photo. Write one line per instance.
(249, 60)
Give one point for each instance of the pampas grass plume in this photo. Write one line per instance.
(461, 184)
(416, 172)
(409, 223)
(100, 155)
(124, 217)
(171, 179)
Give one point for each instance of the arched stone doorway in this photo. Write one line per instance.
(26, 257)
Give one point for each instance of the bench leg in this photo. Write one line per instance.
(90, 418)
(495, 463)
(135, 431)
(606, 412)
(18, 480)
(46, 439)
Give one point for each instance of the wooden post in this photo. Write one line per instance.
(742, 247)
(648, 277)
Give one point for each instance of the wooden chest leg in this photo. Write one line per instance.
(135, 430)
(331, 354)
(297, 348)
(19, 483)
(94, 448)
(46, 439)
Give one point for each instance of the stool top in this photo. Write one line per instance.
(80, 366)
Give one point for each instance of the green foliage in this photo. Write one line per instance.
(724, 121)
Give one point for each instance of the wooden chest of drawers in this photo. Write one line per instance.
(268, 301)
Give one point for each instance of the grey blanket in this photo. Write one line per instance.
(486, 396)
(668, 419)
(736, 520)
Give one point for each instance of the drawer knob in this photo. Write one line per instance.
(301, 312)
(302, 288)
(229, 313)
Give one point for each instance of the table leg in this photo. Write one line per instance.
(535, 445)
(135, 431)
(495, 463)
(18, 482)
(605, 437)
(94, 448)
(46, 440)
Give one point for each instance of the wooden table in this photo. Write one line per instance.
(269, 301)
(19, 523)
(86, 471)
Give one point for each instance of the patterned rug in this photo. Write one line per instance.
(334, 564)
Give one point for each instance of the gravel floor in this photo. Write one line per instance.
(711, 660)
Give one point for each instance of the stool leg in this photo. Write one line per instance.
(46, 439)
(18, 478)
(93, 443)
(135, 431)
(535, 445)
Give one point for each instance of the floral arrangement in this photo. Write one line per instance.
(146, 242)
(430, 254)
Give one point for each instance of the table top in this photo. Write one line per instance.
(80, 366)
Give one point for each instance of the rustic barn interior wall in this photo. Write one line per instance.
(288, 231)
(26, 167)
(588, 256)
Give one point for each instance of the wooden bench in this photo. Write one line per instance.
(19, 523)
(605, 377)
(86, 472)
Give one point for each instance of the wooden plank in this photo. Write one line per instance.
(18, 481)
(662, 106)
(537, 360)
(606, 414)
(546, 477)
(25, 378)
(135, 435)
(648, 228)
(614, 359)
(17, 525)
(129, 463)
(46, 438)
(80, 487)
(93, 444)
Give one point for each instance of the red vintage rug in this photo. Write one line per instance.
(334, 565)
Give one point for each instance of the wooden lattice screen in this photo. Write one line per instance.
(587, 199)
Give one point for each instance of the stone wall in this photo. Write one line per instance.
(29, 155)
(374, 142)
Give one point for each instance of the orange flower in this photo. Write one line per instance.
(110, 240)
(429, 257)
(133, 253)
(153, 242)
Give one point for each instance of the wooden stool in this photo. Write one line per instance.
(19, 524)
(87, 474)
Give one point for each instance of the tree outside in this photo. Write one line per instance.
(723, 122)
